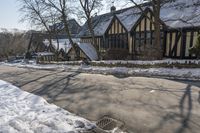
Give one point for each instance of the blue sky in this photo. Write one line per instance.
(10, 16)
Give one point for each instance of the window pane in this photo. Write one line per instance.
(142, 35)
(161, 34)
(148, 35)
(148, 41)
(153, 41)
(142, 41)
(137, 35)
(153, 34)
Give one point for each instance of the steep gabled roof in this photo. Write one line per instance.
(89, 50)
(127, 17)
(74, 27)
(100, 24)
(113, 20)
(181, 13)
(174, 13)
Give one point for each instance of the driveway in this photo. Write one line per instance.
(143, 104)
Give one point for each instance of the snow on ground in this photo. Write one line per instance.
(192, 73)
(183, 73)
(22, 112)
(139, 62)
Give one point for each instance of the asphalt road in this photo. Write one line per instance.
(145, 105)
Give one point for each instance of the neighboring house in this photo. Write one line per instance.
(74, 29)
(60, 40)
(129, 34)
(39, 41)
(36, 44)
(65, 48)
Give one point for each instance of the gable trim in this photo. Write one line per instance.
(112, 21)
(147, 10)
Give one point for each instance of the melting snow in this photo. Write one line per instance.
(183, 73)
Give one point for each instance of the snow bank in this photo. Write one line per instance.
(183, 73)
(22, 112)
(32, 64)
(139, 62)
(192, 73)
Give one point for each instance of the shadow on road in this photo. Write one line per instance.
(73, 94)
(185, 109)
(38, 78)
(183, 116)
(56, 87)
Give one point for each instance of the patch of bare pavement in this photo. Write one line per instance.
(144, 104)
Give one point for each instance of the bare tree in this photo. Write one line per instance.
(12, 44)
(89, 7)
(37, 14)
(62, 7)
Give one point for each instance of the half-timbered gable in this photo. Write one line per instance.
(128, 17)
(134, 30)
(143, 34)
(100, 24)
(116, 35)
(112, 30)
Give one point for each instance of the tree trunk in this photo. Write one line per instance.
(157, 45)
(50, 42)
(64, 18)
(158, 52)
(57, 43)
(94, 41)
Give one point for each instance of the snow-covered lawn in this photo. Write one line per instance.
(22, 112)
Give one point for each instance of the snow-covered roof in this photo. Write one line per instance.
(74, 27)
(181, 13)
(44, 53)
(128, 18)
(100, 24)
(89, 50)
(175, 13)
(63, 43)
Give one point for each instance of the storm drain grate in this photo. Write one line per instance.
(108, 123)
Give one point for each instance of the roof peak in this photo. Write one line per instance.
(124, 9)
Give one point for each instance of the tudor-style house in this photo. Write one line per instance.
(129, 34)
